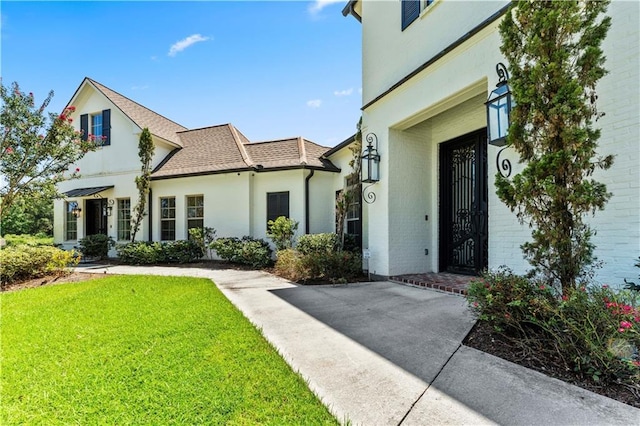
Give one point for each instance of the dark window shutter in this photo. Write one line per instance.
(84, 126)
(410, 11)
(106, 126)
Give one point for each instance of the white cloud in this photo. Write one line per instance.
(183, 44)
(318, 5)
(346, 92)
(314, 103)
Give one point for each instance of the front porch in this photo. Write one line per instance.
(443, 281)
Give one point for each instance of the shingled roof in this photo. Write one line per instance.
(158, 125)
(217, 149)
(223, 149)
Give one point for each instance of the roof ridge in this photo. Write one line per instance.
(302, 150)
(245, 155)
(204, 128)
(130, 100)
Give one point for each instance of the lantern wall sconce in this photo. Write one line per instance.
(499, 105)
(75, 210)
(370, 162)
(107, 209)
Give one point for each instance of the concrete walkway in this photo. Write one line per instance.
(385, 354)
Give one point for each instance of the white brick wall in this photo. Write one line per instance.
(397, 230)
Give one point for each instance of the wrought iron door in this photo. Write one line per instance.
(463, 204)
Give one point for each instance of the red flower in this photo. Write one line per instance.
(9, 150)
(605, 286)
(542, 287)
(77, 169)
(565, 297)
(62, 117)
(71, 108)
(625, 324)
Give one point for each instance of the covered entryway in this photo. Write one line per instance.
(463, 204)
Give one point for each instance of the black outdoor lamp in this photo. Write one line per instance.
(371, 160)
(499, 107)
(75, 210)
(107, 209)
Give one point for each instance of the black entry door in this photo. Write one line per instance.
(463, 204)
(96, 221)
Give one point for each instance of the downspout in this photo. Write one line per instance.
(307, 213)
(150, 216)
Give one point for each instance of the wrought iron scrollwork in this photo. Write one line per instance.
(504, 165)
(368, 196)
(503, 74)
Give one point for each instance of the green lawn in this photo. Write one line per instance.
(142, 350)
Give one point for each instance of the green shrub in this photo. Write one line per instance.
(281, 231)
(289, 265)
(183, 251)
(322, 264)
(97, 245)
(204, 237)
(317, 243)
(247, 251)
(594, 331)
(29, 240)
(24, 262)
(138, 253)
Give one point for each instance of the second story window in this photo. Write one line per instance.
(97, 125)
(410, 10)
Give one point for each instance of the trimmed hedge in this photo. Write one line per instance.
(146, 253)
(250, 251)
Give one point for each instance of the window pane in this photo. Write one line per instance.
(167, 218)
(124, 219)
(71, 222)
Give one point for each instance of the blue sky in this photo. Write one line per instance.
(274, 69)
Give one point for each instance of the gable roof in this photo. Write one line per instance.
(142, 116)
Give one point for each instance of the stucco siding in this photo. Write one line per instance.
(226, 202)
(286, 180)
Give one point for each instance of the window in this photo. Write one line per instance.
(168, 219)
(411, 10)
(97, 125)
(195, 212)
(71, 221)
(277, 205)
(353, 224)
(124, 219)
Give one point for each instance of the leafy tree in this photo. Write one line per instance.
(33, 215)
(555, 60)
(143, 182)
(36, 153)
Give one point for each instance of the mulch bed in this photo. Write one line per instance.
(484, 338)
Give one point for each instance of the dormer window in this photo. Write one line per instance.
(410, 10)
(97, 127)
